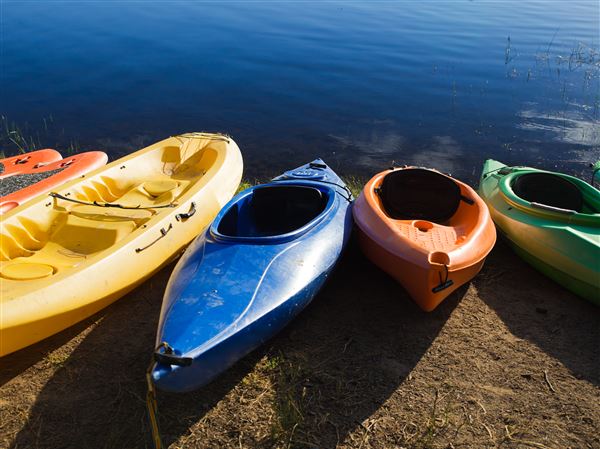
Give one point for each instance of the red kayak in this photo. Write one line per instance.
(25, 163)
(31, 174)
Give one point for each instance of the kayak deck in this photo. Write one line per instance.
(83, 230)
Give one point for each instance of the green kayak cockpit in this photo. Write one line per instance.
(550, 190)
(554, 195)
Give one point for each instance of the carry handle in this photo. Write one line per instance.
(188, 214)
(163, 233)
(172, 359)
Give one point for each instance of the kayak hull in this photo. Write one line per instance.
(209, 364)
(563, 246)
(94, 253)
(417, 280)
(230, 294)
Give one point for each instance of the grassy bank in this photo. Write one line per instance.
(354, 183)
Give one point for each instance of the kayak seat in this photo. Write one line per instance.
(273, 210)
(548, 189)
(73, 240)
(419, 194)
(282, 209)
(89, 236)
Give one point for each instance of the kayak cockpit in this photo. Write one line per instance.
(419, 194)
(551, 190)
(428, 208)
(551, 195)
(272, 211)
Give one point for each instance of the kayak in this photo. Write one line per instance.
(66, 255)
(551, 220)
(427, 230)
(263, 259)
(26, 162)
(32, 174)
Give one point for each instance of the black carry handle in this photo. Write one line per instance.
(163, 233)
(172, 359)
(442, 286)
(188, 214)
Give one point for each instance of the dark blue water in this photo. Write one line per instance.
(440, 83)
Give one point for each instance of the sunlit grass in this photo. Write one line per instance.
(354, 183)
(18, 138)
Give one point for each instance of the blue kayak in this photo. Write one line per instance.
(262, 260)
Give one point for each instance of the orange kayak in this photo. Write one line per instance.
(24, 163)
(30, 174)
(427, 230)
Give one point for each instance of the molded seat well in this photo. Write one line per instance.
(273, 210)
(548, 189)
(419, 194)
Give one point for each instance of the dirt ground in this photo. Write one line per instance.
(511, 360)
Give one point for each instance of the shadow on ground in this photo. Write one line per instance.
(349, 352)
(16, 363)
(96, 397)
(336, 364)
(536, 309)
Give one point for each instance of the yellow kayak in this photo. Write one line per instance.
(70, 253)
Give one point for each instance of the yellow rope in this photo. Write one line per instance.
(152, 406)
(203, 135)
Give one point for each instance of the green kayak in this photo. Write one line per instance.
(551, 220)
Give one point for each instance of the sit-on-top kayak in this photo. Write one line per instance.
(427, 230)
(67, 255)
(31, 174)
(262, 260)
(551, 220)
(27, 162)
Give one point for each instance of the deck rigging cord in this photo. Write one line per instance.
(99, 204)
(348, 191)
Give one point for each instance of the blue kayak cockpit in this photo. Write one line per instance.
(274, 212)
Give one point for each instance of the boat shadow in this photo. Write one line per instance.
(338, 362)
(537, 309)
(96, 398)
(349, 352)
(18, 362)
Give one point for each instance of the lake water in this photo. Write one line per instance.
(443, 84)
